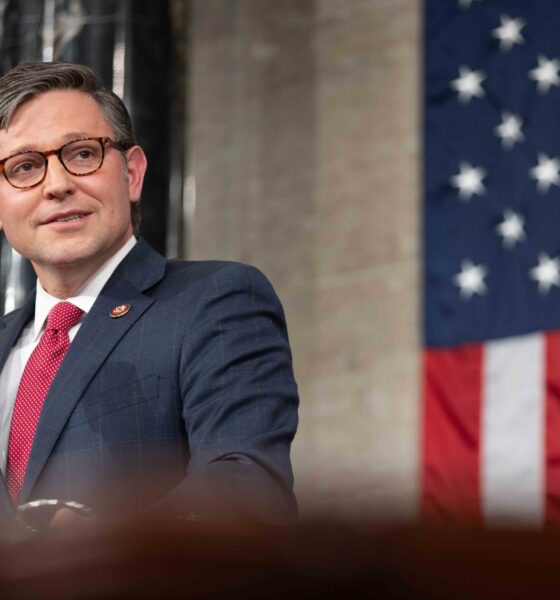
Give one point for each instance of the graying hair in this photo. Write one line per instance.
(31, 79)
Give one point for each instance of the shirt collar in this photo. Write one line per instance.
(85, 296)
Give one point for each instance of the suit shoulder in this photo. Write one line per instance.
(221, 270)
(212, 279)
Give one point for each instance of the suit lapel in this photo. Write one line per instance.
(11, 327)
(94, 342)
(12, 324)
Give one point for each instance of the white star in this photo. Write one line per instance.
(510, 130)
(546, 74)
(466, 3)
(546, 172)
(468, 84)
(511, 229)
(509, 32)
(547, 272)
(469, 181)
(471, 279)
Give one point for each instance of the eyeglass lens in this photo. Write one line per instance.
(78, 158)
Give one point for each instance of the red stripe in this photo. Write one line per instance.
(452, 391)
(552, 428)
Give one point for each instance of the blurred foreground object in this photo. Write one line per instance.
(165, 558)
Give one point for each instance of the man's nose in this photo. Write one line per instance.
(58, 183)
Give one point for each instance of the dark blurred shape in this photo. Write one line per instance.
(138, 48)
(166, 558)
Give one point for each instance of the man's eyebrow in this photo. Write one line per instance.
(67, 137)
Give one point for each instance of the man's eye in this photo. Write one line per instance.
(23, 167)
(80, 154)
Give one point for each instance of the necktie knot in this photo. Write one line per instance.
(63, 316)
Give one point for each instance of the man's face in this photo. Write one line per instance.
(35, 220)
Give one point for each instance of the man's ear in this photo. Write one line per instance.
(137, 164)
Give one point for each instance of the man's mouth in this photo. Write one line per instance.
(71, 218)
(65, 217)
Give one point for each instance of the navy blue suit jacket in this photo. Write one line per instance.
(188, 400)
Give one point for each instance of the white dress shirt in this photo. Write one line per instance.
(29, 338)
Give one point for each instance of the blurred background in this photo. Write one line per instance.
(285, 134)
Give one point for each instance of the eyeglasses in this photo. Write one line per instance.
(79, 157)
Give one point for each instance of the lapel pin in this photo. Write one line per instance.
(119, 311)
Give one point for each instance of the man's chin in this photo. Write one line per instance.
(68, 256)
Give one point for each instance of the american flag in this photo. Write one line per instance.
(491, 386)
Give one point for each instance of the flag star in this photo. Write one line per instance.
(547, 272)
(468, 84)
(546, 74)
(509, 32)
(471, 279)
(469, 181)
(509, 130)
(546, 172)
(511, 229)
(466, 3)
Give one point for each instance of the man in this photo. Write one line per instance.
(172, 386)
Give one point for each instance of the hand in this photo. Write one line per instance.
(54, 515)
(66, 520)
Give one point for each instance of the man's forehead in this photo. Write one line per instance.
(53, 117)
(14, 148)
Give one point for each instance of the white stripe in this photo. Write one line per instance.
(512, 431)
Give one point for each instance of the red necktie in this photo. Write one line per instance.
(33, 387)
